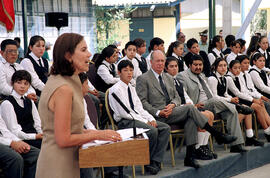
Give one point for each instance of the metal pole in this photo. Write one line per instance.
(214, 18)
(210, 19)
(24, 18)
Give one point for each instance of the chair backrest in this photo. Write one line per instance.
(91, 110)
(92, 74)
(109, 110)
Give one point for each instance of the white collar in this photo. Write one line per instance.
(34, 56)
(16, 95)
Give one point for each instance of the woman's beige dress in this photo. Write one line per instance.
(53, 161)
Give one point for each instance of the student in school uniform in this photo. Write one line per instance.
(130, 50)
(35, 64)
(8, 66)
(106, 73)
(220, 86)
(194, 49)
(155, 44)
(253, 45)
(202, 150)
(236, 47)
(176, 49)
(228, 39)
(258, 75)
(141, 48)
(20, 113)
(263, 46)
(158, 133)
(242, 46)
(215, 48)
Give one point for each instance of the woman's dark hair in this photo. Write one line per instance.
(255, 56)
(83, 77)
(124, 63)
(234, 43)
(65, 44)
(240, 58)
(233, 62)
(253, 45)
(106, 53)
(170, 59)
(155, 41)
(242, 42)
(212, 42)
(229, 39)
(216, 63)
(112, 46)
(172, 46)
(6, 42)
(260, 40)
(20, 75)
(95, 57)
(191, 42)
(33, 41)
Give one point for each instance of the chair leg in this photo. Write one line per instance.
(102, 172)
(176, 141)
(133, 171)
(255, 125)
(172, 151)
(142, 169)
(223, 130)
(211, 143)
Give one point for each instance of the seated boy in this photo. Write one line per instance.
(20, 113)
(158, 132)
(17, 158)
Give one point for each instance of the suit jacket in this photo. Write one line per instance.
(151, 94)
(191, 84)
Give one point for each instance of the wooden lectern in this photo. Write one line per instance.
(125, 153)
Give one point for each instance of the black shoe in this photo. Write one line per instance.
(244, 109)
(191, 162)
(206, 147)
(237, 149)
(224, 138)
(157, 165)
(253, 141)
(267, 137)
(151, 168)
(203, 154)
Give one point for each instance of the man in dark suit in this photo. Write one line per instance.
(159, 97)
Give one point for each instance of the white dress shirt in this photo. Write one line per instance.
(9, 116)
(121, 90)
(244, 93)
(258, 82)
(249, 85)
(6, 137)
(104, 73)
(231, 57)
(213, 83)
(28, 66)
(137, 71)
(87, 122)
(180, 58)
(6, 72)
(91, 86)
(212, 57)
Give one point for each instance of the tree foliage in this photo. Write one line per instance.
(107, 24)
(259, 22)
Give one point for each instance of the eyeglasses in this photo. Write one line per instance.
(182, 36)
(14, 51)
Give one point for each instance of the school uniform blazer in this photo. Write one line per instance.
(151, 94)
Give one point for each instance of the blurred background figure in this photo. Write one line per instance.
(203, 42)
(48, 46)
(21, 51)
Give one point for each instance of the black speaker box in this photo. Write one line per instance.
(56, 19)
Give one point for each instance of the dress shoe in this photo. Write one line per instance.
(224, 138)
(203, 154)
(237, 149)
(253, 141)
(151, 168)
(157, 165)
(206, 147)
(191, 162)
(244, 109)
(267, 137)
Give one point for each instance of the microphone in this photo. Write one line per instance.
(128, 111)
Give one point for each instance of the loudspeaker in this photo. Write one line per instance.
(56, 19)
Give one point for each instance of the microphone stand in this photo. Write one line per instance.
(128, 111)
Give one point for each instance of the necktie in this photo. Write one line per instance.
(112, 67)
(180, 90)
(221, 55)
(237, 83)
(264, 77)
(143, 60)
(165, 92)
(24, 102)
(39, 61)
(222, 81)
(205, 88)
(265, 55)
(130, 100)
(13, 66)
